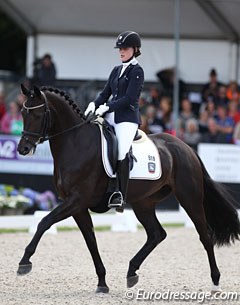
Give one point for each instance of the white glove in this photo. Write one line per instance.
(102, 109)
(90, 108)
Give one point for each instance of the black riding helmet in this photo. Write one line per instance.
(129, 39)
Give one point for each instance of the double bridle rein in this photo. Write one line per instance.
(42, 135)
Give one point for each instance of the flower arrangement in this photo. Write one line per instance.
(11, 201)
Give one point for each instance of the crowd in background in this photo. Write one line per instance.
(211, 115)
(213, 118)
(44, 73)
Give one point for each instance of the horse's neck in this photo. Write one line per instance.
(63, 115)
(75, 147)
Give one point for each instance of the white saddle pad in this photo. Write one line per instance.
(148, 165)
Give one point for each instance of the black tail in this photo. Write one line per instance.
(221, 214)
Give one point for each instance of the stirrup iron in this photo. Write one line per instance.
(118, 200)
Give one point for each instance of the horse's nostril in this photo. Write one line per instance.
(23, 150)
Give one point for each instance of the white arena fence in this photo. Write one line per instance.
(119, 222)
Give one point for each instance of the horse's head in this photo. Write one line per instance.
(36, 120)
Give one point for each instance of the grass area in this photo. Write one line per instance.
(3, 231)
(96, 229)
(60, 229)
(173, 225)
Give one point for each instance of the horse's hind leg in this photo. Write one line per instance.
(190, 197)
(145, 213)
(84, 222)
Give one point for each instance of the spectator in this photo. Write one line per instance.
(203, 122)
(213, 135)
(222, 96)
(211, 88)
(154, 97)
(186, 112)
(211, 107)
(164, 114)
(21, 99)
(143, 104)
(225, 123)
(191, 136)
(233, 112)
(12, 120)
(45, 72)
(154, 124)
(144, 124)
(2, 106)
(233, 92)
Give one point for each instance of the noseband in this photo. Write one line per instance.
(46, 123)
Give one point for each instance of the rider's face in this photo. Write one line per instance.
(126, 53)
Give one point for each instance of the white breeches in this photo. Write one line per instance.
(125, 133)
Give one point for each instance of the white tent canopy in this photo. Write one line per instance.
(207, 21)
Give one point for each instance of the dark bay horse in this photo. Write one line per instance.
(82, 183)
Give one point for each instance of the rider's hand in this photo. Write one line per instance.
(102, 109)
(90, 108)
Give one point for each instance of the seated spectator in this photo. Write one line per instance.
(143, 104)
(203, 122)
(191, 136)
(211, 88)
(21, 98)
(154, 97)
(233, 112)
(233, 92)
(164, 114)
(186, 112)
(154, 124)
(213, 135)
(12, 120)
(2, 106)
(225, 123)
(221, 98)
(144, 124)
(211, 107)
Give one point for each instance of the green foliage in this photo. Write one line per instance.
(13, 46)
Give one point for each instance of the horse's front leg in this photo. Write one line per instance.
(84, 222)
(61, 212)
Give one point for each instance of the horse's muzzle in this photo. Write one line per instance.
(24, 148)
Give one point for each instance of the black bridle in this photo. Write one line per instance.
(42, 135)
(46, 124)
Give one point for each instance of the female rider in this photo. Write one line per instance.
(124, 84)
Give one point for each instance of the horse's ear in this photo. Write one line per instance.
(25, 90)
(37, 91)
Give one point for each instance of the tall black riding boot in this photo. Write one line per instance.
(118, 198)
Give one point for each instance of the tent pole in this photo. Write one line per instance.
(176, 74)
(237, 61)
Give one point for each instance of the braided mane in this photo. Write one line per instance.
(66, 97)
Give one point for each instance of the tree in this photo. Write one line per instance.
(13, 46)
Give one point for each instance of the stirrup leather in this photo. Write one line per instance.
(115, 200)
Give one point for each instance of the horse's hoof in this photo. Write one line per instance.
(103, 289)
(215, 288)
(24, 269)
(132, 280)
